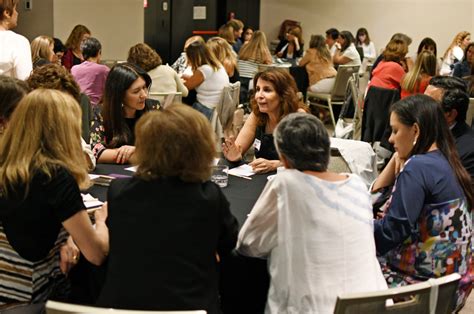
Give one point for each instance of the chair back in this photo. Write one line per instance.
(470, 112)
(53, 307)
(247, 69)
(435, 296)
(166, 99)
(344, 72)
(228, 104)
(337, 163)
(87, 117)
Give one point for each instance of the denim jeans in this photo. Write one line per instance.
(204, 110)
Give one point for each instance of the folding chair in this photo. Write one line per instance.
(338, 93)
(470, 112)
(228, 105)
(435, 296)
(53, 307)
(166, 99)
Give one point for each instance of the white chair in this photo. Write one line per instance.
(166, 99)
(435, 296)
(470, 112)
(338, 93)
(53, 307)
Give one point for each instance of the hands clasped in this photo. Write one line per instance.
(124, 154)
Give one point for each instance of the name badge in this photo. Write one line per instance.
(256, 144)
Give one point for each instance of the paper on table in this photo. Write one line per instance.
(93, 176)
(132, 169)
(243, 170)
(90, 201)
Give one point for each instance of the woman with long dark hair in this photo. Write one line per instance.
(426, 227)
(124, 102)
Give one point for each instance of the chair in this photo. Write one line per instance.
(338, 93)
(337, 163)
(167, 99)
(53, 307)
(470, 112)
(87, 116)
(435, 296)
(228, 105)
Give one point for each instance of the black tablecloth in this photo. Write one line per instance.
(244, 281)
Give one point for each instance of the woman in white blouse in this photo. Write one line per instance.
(363, 41)
(455, 52)
(15, 53)
(314, 226)
(346, 52)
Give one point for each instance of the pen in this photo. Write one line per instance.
(238, 175)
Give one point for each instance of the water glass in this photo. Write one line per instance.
(220, 176)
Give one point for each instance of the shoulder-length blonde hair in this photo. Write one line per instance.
(425, 64)
(44, 133)
(458, 39)
(256, 50)
(166, 145)
(41, 48)
(285, 87)
(318, 43)
(222, 50)
(75, 38)
(199, 54)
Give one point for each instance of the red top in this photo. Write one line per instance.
(387, 74)
(420, 89)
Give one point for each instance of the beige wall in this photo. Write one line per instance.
(439, 19)
(36, 22)
(117, 24)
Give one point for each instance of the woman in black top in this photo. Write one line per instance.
(275, 97)
(41, 170)
(168, 224)
(124, 102)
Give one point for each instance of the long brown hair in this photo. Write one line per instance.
(199, 54)
(256, 50)
(44, 134)
(456, 41)
(285, 87)
(427, 113)
(74, 39)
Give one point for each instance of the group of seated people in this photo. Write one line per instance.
(164, 231)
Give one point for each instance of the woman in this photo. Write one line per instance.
(59, 50)
(364, 42)
(292, 46)
(181, 64)
(124, 102)
(247, 35)
(426, 230)
(318, 63)
(73, 54)
(306, 199)
(238, 29)
(90, 74)
(54, 76)
(164, 78)
(417, 79)
(427, 44)
(346, 52)
(209, 78)
(389, 72)
(455, 52)
(275, 97)
(224, 53)
(42, 51)
(11, 92)
(15, 54)
(180, 226)
(463, 68)
(41, 172)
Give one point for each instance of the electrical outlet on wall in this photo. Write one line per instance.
(28, 5)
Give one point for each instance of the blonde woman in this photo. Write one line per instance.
(209, 78)
(455, 52)
(42, 170)
(418, 78)
(42, 51)
(224, 53)
(73, 54)
(318, 63)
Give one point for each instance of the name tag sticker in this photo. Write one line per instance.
(256, 144)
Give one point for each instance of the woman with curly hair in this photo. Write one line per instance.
(455, 52)
(164, 79)
(73, 54)
(275, 97)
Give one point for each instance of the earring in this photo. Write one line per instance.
(414, 142)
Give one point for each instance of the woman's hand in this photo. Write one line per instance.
(231, 150)
(124, 154)
(69, 256)
(101, 213)
(262, 165)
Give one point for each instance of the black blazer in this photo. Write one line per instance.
(464, 138)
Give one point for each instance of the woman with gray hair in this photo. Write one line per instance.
(314, 226)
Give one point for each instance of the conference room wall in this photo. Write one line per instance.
(35, 22)
(438, 19)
